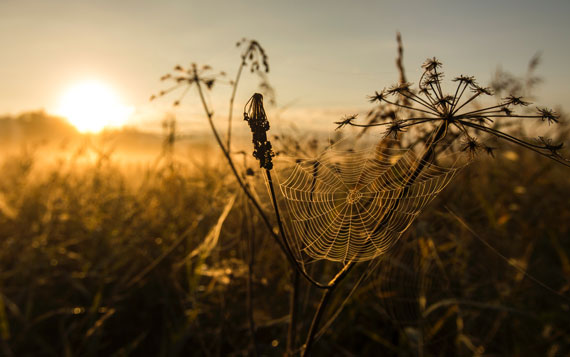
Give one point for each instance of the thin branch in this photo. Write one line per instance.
(466, 102)
(411, 108)
(536, 148)
(323, 305)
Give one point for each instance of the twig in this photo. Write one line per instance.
(323, 305)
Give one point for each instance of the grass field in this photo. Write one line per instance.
(99, 259)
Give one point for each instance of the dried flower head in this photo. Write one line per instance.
(378, 97)
(399, 88)
(431, 64)
(482, 90)
(469, 80)
(186, 77)
(553, 148)
(347, 120)
(489, 150)
(548, 114)
(471, 146)
(513, 100)
(429, 105)
(253, 54)
(395, 127)
(254, 114)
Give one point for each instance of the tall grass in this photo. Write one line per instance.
(73, 242)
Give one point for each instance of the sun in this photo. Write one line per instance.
(91, 106)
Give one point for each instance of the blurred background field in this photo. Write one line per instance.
(105, 256)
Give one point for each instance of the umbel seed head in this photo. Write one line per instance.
(254, 114)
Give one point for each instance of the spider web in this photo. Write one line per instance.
(353, 205)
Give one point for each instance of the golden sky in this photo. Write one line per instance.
(325, 56)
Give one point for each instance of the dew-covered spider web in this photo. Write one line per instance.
(354, 204)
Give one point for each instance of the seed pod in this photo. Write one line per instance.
(254, 114)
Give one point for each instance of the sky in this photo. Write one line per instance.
(325, 56)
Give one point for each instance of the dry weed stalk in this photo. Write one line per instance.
(429, 104)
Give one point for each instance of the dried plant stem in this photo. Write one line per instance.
(514, 140)
(399, 59)
(331, 320)
(288, 250)
(295, 295)
(209, 115)
(234, 90)
(323, 305)
(316, 321)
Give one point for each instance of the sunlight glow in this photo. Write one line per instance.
(92, 106)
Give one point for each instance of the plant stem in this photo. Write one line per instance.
(234, 90)
(316, 321)
(436, 136)
(284, 246)
(323, 305)
(256, 204)
(285, 242)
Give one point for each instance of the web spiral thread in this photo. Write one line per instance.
(354, 205)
